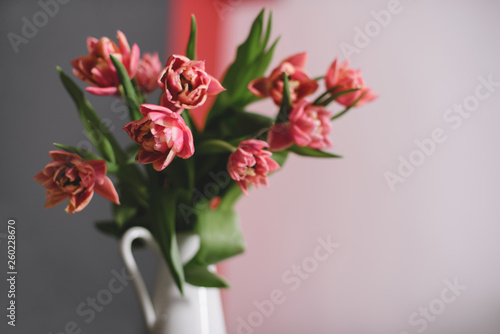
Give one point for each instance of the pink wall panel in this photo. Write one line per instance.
(424, 250)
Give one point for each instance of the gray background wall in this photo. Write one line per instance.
(62, 259)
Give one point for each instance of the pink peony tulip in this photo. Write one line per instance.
(148, 72)
(250, 164)
(186, 84)
(162, 135)
(342, 75)
(300, 83)
(97, 69)
(308, 125)
(68, 176)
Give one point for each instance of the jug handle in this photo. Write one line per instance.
(129, 260)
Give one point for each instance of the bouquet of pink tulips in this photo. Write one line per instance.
(175, 176)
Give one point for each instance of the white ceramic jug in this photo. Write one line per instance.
(198, 311)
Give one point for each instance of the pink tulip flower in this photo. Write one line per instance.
(186, 84)
(342, 75)
(162, 135)
(308, 125)
(250, 164)
(68, 176)
(97, 69)
(148, 72)
(300, 83)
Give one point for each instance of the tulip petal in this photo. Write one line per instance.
(78, 202)
(147, 108)
(63, 156)
(147, 157)
(107, 190)
(134, 61)
(165, 102)
(102, 76)
(102, 91)
(214, 87)
(272, 165)
(200, 64)
(100, 168)
(298, 60)
(331, 76)
(307, 85)
(91, 43)
(42, 178)
(188, 148)
(159, 165)
(243, 186)
(367, 97)
(279, 137)
(54, 198)
(259, 87)
(123, 43)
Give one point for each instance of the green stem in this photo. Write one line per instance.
(191, 174)
(141, 98)
(336, 96)
(347, 109)
(340, 113)
(205, 146)
(318, 102)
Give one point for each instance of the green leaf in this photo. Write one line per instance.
(186, 116)
(132, 184)
(280, 157)
(311, 152)
(201, 275)
(251, 62)
(286, 102)
(261, 65)
(220, 238)
(109, 227)
(231, 196)
(191, 47)
(163, 226)
(220, 235)
(138, 94)
(249, 123)
(190, 172)
(97, 132)
(123, 213)
(127, 90)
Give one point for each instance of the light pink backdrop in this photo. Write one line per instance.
(396, 247)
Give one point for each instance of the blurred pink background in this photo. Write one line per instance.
(397, 248)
